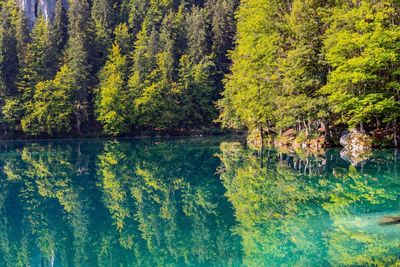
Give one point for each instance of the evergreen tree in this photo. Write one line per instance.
(79, 58)
(103, 15)
(8, 61)
(113, 104)
(37, 65)
(137, 10)
(197, 88)
(156, 104)
(59, 30)
(197, 35)
(223, 27)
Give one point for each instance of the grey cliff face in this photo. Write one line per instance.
(35, 8)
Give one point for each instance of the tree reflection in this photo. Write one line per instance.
(307, 210)
(125, 203)
(185, 202)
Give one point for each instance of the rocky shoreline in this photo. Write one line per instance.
(356, 145)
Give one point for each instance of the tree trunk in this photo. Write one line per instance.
(305, 126)
(261, 145)
(328, 137)
(362, 127)
(378, 123)
(5, 128)
(395, 133)
(78, 126)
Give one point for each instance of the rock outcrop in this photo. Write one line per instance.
(357, 147)
(356, 141)
(35, 8)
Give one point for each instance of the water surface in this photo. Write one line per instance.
(194, 202)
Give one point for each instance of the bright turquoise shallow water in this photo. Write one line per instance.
(193, 202)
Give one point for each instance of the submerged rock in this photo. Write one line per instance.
(390, 220)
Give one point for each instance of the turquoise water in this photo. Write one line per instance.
(194, 202)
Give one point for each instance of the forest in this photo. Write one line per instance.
(121, 67)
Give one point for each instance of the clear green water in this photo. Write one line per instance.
(193, 202)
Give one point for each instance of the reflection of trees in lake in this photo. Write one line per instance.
(107, 203)
(47, 199)
(303, 210)
(173, 201)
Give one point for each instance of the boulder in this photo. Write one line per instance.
(356, 141)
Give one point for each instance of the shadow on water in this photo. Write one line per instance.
(193, 202)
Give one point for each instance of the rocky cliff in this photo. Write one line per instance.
(35, 8)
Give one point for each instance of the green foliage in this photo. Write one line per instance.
(165, 65)
(132, 65)
(290, 210)
(78, 57)
(51, 109)
(113, 102)
(249, 93)
(303, 64)
(112, 203)
(196, 88)
(362, 46)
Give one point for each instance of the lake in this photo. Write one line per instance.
(194, 202)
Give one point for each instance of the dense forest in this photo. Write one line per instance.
(312, 64)
(127, 66)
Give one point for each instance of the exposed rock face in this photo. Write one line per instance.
(35, 8)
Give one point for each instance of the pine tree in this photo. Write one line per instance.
(137, 10)
(37, 64)
(197, 35)
(8, 62)
(59, 33)
(144, 61)
(79, 57)
(103, 15)
(197, 88)
(223, 28)
(113, 105)
(156, 100)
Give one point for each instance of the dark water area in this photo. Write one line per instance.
(194, 202)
